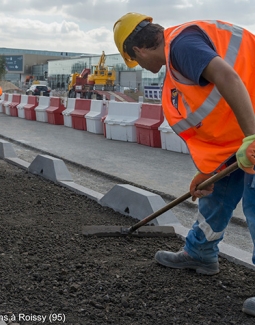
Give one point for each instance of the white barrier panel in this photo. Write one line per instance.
(66, 113)
(20, 107)
(7, 105)
(120, 121)
(98, 109)
(4, 95)
(40, 110)
(170, 140)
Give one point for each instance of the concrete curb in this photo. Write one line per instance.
(56, 171)
(137, 203)
(6, 150)
(51, 168)
(235, 219)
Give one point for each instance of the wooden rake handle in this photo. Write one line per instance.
(184, 197)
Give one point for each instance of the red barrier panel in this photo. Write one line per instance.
(54, 111)
(147, 125)
(81, 108)
(13, 106)
(29, 108)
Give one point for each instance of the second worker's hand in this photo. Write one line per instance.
(198, 179)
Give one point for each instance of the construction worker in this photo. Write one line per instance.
(1, 91)
(208, 98)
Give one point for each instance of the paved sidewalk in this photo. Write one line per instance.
(154, 168)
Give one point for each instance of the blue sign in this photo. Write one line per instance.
(14, 63)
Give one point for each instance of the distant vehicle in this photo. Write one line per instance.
(40, 82)
(36, 90)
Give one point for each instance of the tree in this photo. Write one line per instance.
(2, 67)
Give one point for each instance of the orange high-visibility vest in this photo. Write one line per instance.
(200, 115)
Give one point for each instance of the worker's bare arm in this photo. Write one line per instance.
(233, 91)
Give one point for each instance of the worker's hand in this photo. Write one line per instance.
(198, 179)
(246, 155)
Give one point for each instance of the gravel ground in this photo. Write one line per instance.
(51, 272)
(237, 233)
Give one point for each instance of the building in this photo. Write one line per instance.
(56, 67)
(21, 63)
(137, 78)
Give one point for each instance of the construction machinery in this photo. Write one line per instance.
(97, 82)
(78, 84)
(102, 76)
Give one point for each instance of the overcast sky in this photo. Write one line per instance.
(86, 26)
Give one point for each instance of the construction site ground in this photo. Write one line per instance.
(9, 87)
(48, 266)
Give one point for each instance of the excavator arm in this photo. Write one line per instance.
(101, 61)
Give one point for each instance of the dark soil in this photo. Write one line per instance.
(49, 268)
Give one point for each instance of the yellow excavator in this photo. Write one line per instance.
(100, 77)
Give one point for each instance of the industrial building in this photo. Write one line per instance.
(56, 67)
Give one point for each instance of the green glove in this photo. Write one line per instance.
(246, 155)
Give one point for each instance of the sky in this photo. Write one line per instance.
(86, 26)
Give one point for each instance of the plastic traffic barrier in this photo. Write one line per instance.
(54, 111)
(147, 125)
(170, 140)
(120, 121)
(5, 97)
(6, 105)
(16, 98)
(98, 110)
(40, 110)
(67, 112)
(29, 108)
(81, 108)
(20, 107)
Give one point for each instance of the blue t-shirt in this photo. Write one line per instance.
(191, 51)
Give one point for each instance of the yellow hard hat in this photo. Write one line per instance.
(123, 28)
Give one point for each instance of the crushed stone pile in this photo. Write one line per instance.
(9, 87)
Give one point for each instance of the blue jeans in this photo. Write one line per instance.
(215, 211)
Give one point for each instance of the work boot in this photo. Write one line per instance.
(182, 260)
(249, 306)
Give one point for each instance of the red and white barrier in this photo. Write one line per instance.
(54, 111)
(20, 107)
(7, 105)
(170, 140)
(5, 100)
(13, 106)
(98, 109)
(70, 104)
(40, 110)
(120, 121)
(29, 108)
(124, 121)
(81, 108)
(147, 125)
